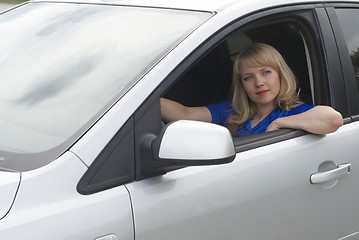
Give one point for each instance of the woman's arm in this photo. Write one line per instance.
(318, 120)
(172, 111)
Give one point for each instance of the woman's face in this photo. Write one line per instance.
(262, 84)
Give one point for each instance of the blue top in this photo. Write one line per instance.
(220, 112)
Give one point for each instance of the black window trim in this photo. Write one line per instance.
(348, 71)
(114, 166)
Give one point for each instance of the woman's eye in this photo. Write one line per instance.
(266, 72)
(247, 78)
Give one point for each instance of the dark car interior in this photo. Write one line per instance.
(209, 80)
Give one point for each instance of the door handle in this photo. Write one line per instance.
(342, 170)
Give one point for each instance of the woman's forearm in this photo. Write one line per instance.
(318, 120)
(173, 111)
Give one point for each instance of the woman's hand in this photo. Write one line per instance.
(273, 126)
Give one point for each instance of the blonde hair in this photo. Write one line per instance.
(260, 55)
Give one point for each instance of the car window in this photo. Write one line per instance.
(209, 80)
(346, 19)
(63, 65)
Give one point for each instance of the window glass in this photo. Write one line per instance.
(348, 19)
(62, 65)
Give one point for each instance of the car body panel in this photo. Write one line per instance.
(48, 206)
(264, 193)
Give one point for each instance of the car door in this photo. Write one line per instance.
(281, 185)
(265, 193)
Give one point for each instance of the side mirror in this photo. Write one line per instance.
(193, 143)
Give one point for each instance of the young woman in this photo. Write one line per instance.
(264, 99)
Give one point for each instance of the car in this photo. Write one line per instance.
(84, 153)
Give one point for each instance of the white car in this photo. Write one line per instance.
(84, 154)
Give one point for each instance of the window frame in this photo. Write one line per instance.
(345, 61)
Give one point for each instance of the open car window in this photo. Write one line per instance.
(210, 78)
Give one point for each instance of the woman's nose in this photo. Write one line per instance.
(259, 81)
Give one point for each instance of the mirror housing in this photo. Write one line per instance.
(193, 143)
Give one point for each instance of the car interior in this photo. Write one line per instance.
(209, 80)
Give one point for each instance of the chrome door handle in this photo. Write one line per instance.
(342, 170)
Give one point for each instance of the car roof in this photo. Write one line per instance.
(201, 5)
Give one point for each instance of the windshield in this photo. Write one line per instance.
(63, 65)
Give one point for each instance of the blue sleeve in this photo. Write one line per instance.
(296, 110)
(300, 109)
(220, 111)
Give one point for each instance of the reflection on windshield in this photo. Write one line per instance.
(62, 65)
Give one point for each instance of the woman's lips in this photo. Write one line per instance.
(262, 93)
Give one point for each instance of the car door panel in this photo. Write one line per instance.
(264, 194)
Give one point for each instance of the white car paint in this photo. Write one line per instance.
(47, 199)
(244, 198)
